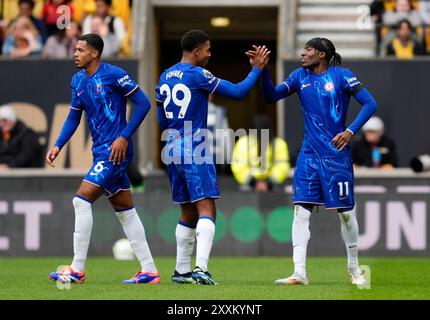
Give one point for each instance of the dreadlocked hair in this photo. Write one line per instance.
(334, 58)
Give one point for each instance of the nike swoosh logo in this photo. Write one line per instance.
(305, 85)
(93, 174)
(80, 92)
(343, 198)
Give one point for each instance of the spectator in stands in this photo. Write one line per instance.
(19, 145)
(222, 141)
(248, 167)
(3, 28)
(390, 19)
(424, 9)
(402, 10)
(23, 39)
(26, 8)
(81, 8)
(374, 149)
(111, 43)
(62, 44)
(403, 46)
(50, 14)
(377, 10)
(104, 10)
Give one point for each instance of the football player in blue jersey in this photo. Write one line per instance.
(324, 171)
(101, 90)
(182, 107)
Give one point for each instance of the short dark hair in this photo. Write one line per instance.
(29, 2)
(193, 39)
(107, 2)
(399, 24)
(94, 41)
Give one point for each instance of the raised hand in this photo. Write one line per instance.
(259, 57)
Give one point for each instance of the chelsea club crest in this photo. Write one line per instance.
(329, 86)
(99, 88)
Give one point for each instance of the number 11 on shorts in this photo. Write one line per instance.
(342, 189)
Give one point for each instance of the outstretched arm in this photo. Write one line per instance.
(239, 90)
(258, 58)
(69, 128)
(368, 108)
(271, 93)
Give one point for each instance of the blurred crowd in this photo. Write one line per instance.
(31, 27)
(402, 27)
(50, 28)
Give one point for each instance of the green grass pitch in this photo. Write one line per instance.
(239, 278)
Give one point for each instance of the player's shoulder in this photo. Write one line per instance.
(112, 69)
(295, 75)
(78, 76)
(204, 74)
(341, 71)
(117, 74)
(175, 71)
(345, 75)
(299, 72)
(200, 69)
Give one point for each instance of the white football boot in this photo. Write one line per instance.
(293, 280)
(356, 277)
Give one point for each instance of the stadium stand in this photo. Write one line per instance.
(337, 20)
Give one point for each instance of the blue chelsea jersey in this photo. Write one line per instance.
(103, 97)
(184, 89)
(324, 101)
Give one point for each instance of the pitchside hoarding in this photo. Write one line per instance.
(37, 219)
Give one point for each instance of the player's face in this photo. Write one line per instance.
(203, 54)
(84, 54)
(311, 57)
